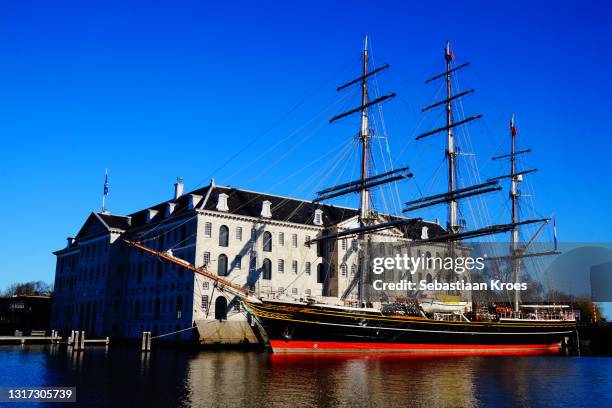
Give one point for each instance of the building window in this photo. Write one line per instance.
(266, 211)
(236, 306)
(207, 230)
(320, 277)
(223, 236)
(267, 269)
(222, 202)
(281, 266)
(294, 240)
(307, 291)
(318, 217)
(253, 263)
(267, 241)
(355, 245)
(344, 270)
(353, 270)
(222, 265)
(179, 307)
(281, 238)
(307, 241)
(294, 291)
(308, 268)
(206, 260)
(294, 267)
(344, 244)
(221, 308)
(237, 262)
(253, 234)
(239, 234)
(281, 289)
(205, 285)
(205, 303)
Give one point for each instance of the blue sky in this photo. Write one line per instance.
(154, 90)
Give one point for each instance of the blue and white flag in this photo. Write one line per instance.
(106, 182)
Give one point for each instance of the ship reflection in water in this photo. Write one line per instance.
(122, 376)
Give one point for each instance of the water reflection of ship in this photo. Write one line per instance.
(437, 327)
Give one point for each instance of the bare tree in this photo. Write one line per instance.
(33, 288)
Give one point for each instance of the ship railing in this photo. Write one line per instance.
(571, 315)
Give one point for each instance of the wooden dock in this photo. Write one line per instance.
(30, 339)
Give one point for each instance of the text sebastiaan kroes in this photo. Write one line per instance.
(459, 265)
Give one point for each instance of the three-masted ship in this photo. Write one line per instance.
(405, 325)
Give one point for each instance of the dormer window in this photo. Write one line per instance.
(193, 201)
(318, 217)
(170, 208)
(266, 212)
(151, 213)
(425, 233)
(222, 202)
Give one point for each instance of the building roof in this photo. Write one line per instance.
(241, 203)
(115, 221)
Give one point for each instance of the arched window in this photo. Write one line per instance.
(267, 269)
(179, 307)
(267, 241)
(223, 236)
(222, 265)
(221, 308)
(343, 269)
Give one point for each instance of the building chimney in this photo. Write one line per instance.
(178, 188)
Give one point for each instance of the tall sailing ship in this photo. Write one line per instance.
(405, 323)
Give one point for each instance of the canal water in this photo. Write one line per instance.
(122, 376)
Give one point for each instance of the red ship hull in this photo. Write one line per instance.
(441, 350)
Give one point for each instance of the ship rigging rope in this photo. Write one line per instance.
(189, 237)
(291, 134)
(266, 131)
(327, 275)
(394, 185)
(278, 121)
(336, 162)
(187, 220)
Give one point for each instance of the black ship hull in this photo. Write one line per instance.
(299, 328)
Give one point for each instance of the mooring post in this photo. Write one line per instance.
(75, 339)
(82, 340)
(146, 341)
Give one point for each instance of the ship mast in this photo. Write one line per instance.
(364, 137)
(450, 144)
(452, 194)
(365, 181)
(514, 196)
(518, 251)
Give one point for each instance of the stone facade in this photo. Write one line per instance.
(256, 240)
